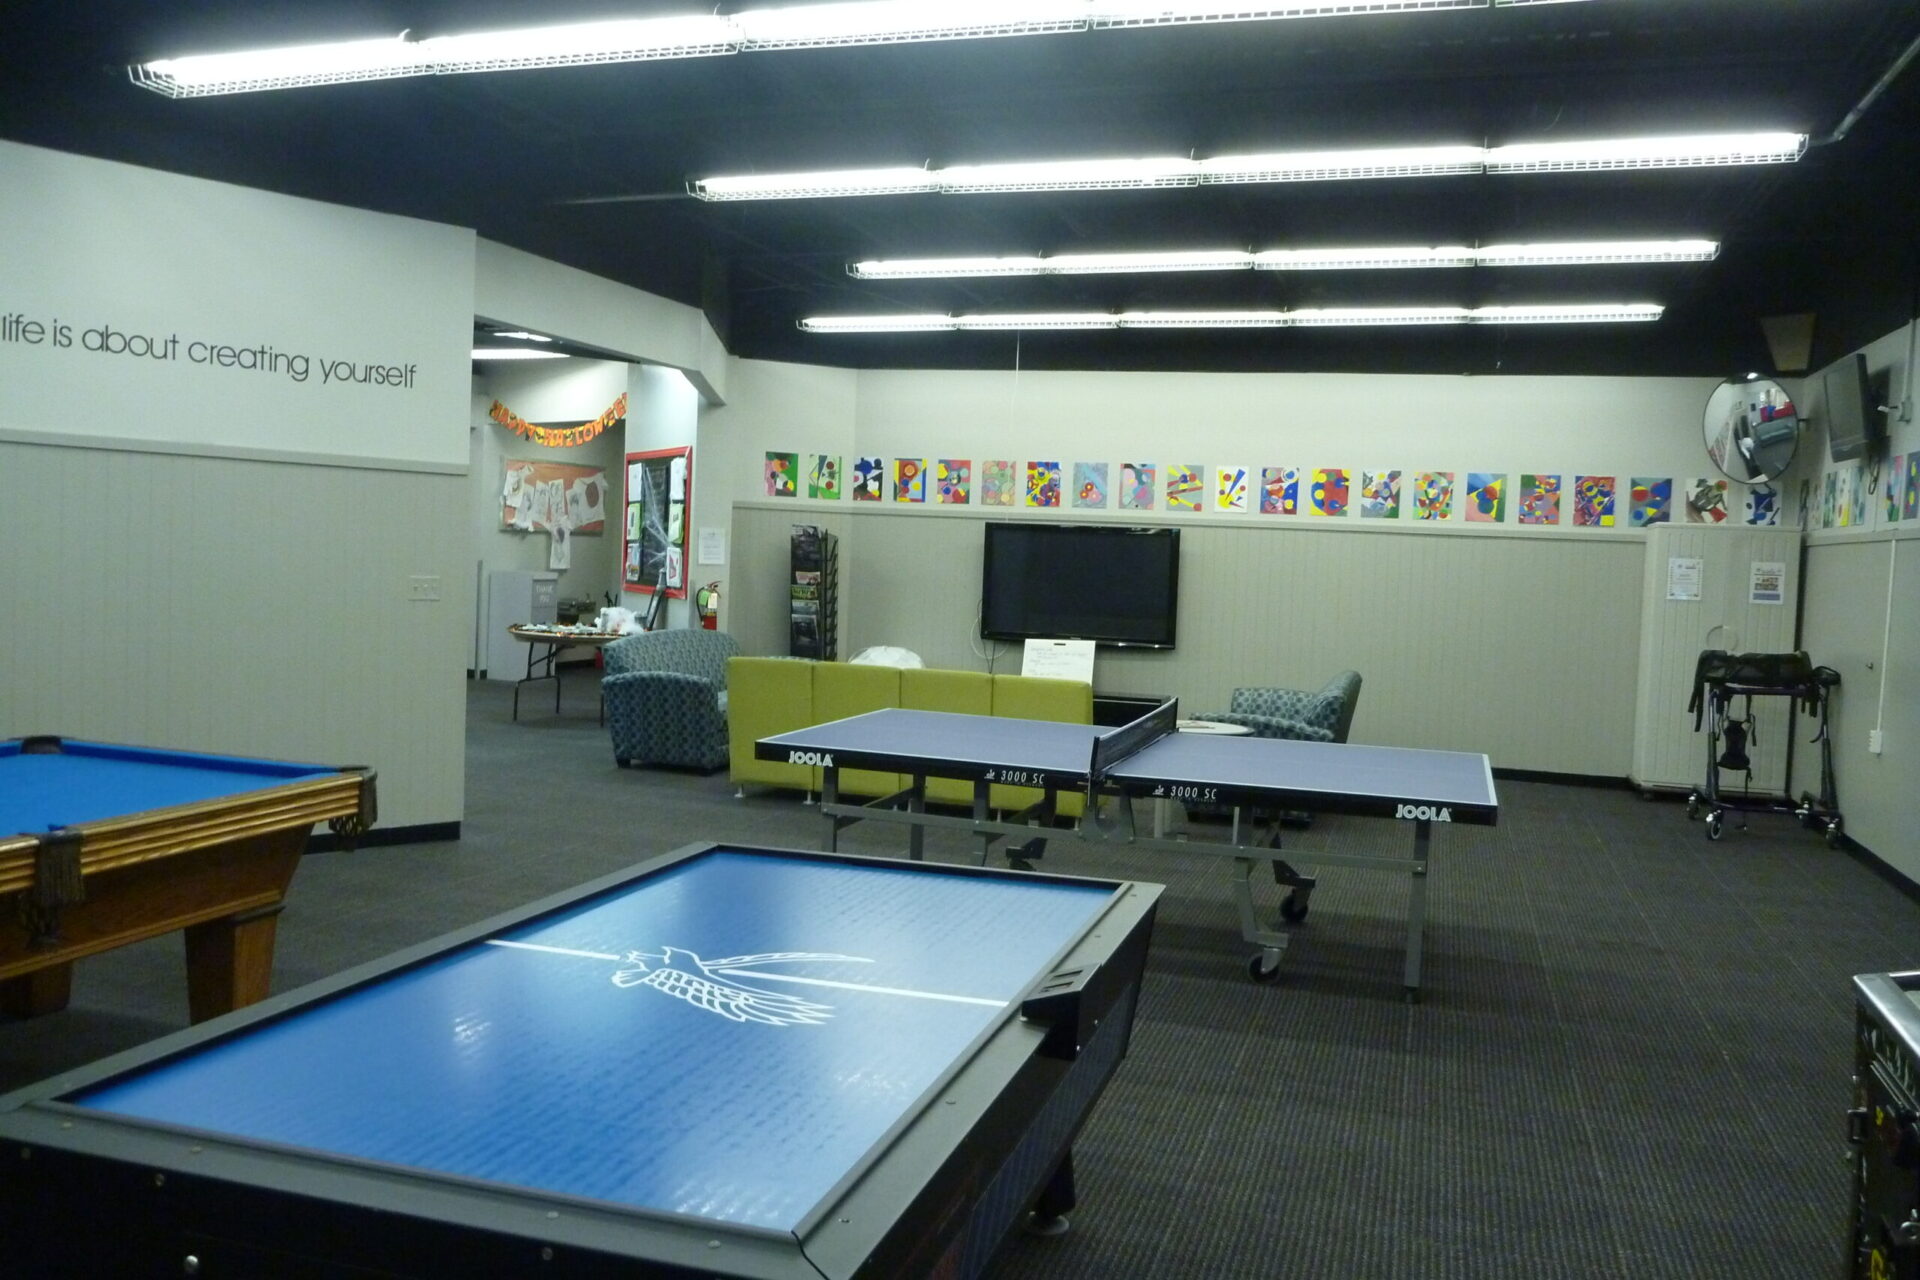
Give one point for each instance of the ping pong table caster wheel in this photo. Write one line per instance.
(1051, 1224)
(1714, 825)
(1263, 967)
(1293, 908)
(1835, 833)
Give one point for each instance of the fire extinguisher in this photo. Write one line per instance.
(707, 601)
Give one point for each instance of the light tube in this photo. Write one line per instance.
(1383, 257)
(1648, 153)
(893, 22)
(516, 353)
(1314, 317)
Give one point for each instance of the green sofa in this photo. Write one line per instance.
(766, 696)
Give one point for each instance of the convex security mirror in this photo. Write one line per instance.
(1752, 429)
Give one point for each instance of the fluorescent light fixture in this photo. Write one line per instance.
(1317, 317)
(1304, 166)
(1648, 153)
(1385, 257)
(895, 21)
(516, 353)
(1158, 13)
(309, 64)
(581, 43)
(523, 335)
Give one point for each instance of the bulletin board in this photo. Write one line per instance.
(654, 549)
(529, 490)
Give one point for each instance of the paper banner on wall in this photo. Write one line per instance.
(635, 513)
(869, 478)
(1433, 495)
(997, 481)
(1273, 490)
(954, 481)
(1896, 472)
(1136, 486)
(909, 479)
(1379, 495)
(534, 494)
(676, 522)
(1652, 501)
(1486, 497)
(1857, 500)
(1761, 506)
(1539, 499)
(1090, 484)
(676, 567)
(677, 480)
(1910, 500)
(560, 551)
(1043, 484)
(510, 491)
(1706, 500)
(783, 475)
(1593, 501)
(1230, 489)
(823, 477)
(1331, 491)
(1183, 486)
(1767, 582)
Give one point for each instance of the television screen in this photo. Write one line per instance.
(1853, 419)
(1112, 584)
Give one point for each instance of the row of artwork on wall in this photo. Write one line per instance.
(1475, 496)
(1846, 494)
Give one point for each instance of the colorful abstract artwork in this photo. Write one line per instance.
(1280, 491)
(997, 484)
(1829, 499)
(823, 477)
(1183, 486)
(1090, 484)
(1136, 486)
(1230, 489)
(1379, 495)
(1652, 501)
(1332, 491)
(1593, 501)
(783, 475)
(952, 480)
(1486, 497)
(1433, 495)
(869, 479)
(1857, 493)
(1043, 484)
(1910, 502)
(909, 479)
(1706, 501)
(1761, 505)
(1539, 499)
(1896, 474)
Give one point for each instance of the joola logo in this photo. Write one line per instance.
(1424, 812)
(822, 758)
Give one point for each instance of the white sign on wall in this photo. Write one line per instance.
(151, 308)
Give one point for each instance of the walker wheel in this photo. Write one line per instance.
(1263, 967)
(1693, 805)
(1835, 833)
(1713, 825)
(1293, 908)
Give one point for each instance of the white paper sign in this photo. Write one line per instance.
(1769, 582)
(1058, 659)
(1683, 577)
(713, 546)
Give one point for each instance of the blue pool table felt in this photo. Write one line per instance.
(88, 781)
(641, 1048)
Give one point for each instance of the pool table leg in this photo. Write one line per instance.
(45, 990)
(230, 962)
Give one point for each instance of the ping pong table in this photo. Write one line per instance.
(1147, 759)
(728, 1061)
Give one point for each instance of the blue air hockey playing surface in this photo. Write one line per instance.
(725, 1062)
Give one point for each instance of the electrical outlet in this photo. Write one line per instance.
(423, 586)
(1873, 741)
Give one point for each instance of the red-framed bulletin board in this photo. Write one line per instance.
(658, 512)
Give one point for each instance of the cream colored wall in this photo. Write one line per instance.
(254, 608)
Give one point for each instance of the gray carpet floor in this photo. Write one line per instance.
(1632, 1058)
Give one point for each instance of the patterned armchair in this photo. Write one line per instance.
(1323, 715)
(666, 694)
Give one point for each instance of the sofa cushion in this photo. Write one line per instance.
(768, 696)
(1039, 698)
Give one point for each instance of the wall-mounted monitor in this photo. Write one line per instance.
(1113, 584)
(1854, 423)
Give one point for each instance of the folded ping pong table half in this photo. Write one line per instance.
(1148, 760)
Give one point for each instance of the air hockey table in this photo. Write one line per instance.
(103, 844)
(724, 1062)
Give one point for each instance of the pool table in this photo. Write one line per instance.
(102, 845)
(727, 1061)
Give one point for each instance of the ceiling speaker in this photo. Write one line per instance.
(1789, 341)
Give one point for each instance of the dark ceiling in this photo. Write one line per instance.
(588, 166)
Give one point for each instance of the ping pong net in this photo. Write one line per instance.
(1110, 748)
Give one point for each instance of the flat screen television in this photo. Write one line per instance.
(1113, 584)
(1854, 424)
